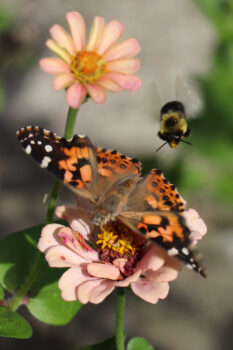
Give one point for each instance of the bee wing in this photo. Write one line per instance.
(188, 93)
(151, 100)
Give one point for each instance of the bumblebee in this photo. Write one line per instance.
(173, 124)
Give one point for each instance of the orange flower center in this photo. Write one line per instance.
(88, 67)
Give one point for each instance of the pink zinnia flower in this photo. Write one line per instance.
(121, 259)
(89, 69)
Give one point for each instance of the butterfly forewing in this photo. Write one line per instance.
(73, 161)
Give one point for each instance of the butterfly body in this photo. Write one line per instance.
(148, 205)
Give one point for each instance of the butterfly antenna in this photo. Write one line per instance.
(161, 146)
(186, 142)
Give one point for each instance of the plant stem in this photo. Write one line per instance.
(120, 308)
(69, 127)
(70, 122)
(16, 300)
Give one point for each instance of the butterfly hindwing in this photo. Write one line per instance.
(155, 211)
(113, 162)
(113, 168)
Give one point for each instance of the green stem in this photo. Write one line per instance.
(120, 308)
(69, 127)
(16, 300)
(70, 122)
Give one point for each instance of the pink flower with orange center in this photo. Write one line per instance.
(121, 258)
(90, 69)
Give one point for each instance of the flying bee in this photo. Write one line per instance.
(184, 102)
(173, 124)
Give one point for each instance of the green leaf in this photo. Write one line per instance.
(45, 301)
(139, 343)
(13, 325)
(105, 345)
(1, 293)
(17, 255)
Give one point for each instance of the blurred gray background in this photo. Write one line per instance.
(177, 40)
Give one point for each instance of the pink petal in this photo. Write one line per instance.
(195, 237)
(153, 259)
(49, 237)
(95, 33)
(125, 49)
(75, 95)
(97, 93)
(126, 66)
(111, 34)
(69, 282)
(164, 274)
(62, 81)
(101, 292)
(132, 278)
(76, 243)
(62, 38)
(78, 219)
(104, 270)
(150, 292)
(127, 82)
(77, 28)
(60, 256)
(53, 65)
(59, 51)
(94, 291)
(120, 264)
(86, 288)
(195, 223)
(109, 84)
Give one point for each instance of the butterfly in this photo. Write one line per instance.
(149, 205)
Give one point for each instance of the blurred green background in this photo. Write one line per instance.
(191, 38)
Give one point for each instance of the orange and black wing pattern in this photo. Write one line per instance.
(112, 162)
(114, 167)
(72, 161)
(158, 217)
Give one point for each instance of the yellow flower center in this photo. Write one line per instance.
(121, 243)
(88, 67)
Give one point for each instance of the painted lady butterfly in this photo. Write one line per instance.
(148, 205)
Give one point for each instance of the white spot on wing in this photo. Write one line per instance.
(32, 142)
(48, 148)
(189, 266)
(172, 251)
(28, 149)
(82, 136)
(45, 162)
(185, 251)
(39, 142)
